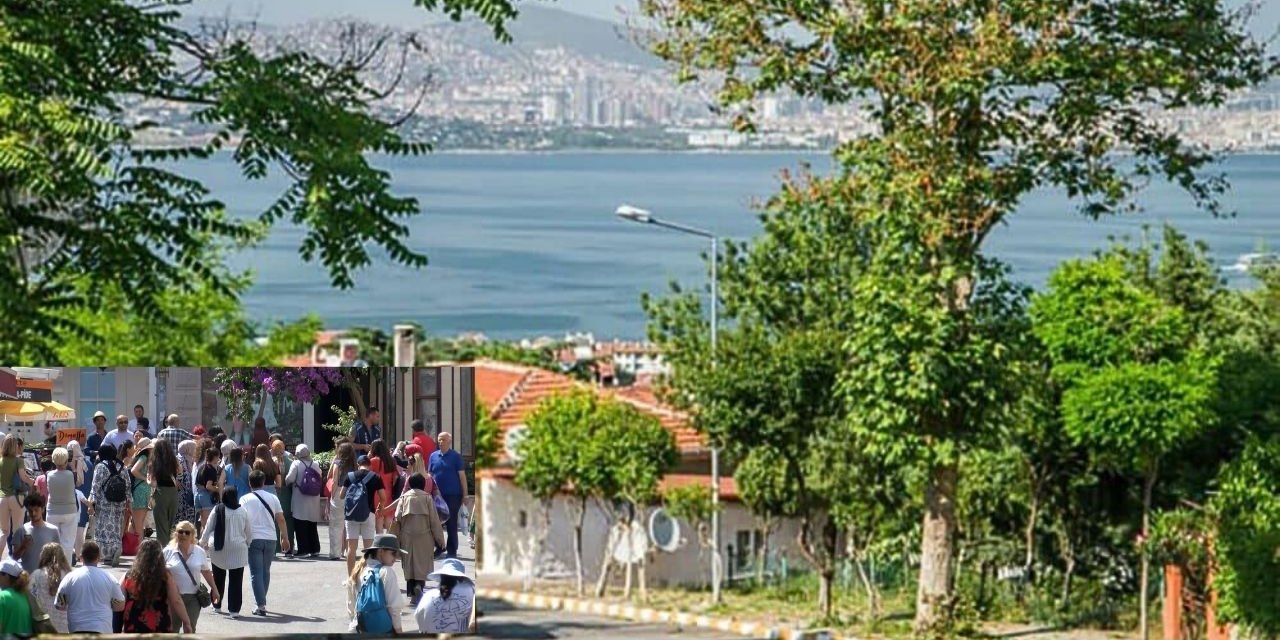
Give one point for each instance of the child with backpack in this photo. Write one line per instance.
(374, 600)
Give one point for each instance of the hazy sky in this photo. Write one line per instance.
(404, 13)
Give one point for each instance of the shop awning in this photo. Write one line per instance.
(48, 411)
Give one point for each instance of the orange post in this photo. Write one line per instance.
(1172, 620)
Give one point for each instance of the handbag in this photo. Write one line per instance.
(442, 507)
(203, 597)
(41, 625)
(129, 544)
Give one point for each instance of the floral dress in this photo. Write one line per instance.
(187, 502)
(145, 617)
(109, 516)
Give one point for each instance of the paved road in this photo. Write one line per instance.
(306, 596)
(501, 619)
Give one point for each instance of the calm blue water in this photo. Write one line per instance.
(527, 245)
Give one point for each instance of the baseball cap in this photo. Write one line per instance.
(362, 460)
(11, 567)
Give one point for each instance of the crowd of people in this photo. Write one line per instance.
(217, 504)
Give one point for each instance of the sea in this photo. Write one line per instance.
(528, 244)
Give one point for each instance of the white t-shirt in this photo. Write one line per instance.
(197, 561)
(264, 523)
(117, 438)
(446, 616)
(86, 594)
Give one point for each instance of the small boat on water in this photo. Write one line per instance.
(1247, 262)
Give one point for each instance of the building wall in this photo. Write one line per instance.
(512, 521)
(124, 387)
(183, 396)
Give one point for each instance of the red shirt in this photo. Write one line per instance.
(428, 445)
(388, 480)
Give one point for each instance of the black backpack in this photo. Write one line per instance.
(115, 489)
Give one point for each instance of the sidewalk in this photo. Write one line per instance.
(306, 596)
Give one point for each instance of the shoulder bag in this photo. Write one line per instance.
(203, 597)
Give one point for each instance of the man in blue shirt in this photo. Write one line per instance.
(449, 471)
(364, 434)
(95, 439)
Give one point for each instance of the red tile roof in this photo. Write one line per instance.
(512, 391)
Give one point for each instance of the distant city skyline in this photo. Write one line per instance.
(398, 12)
(1265, 25)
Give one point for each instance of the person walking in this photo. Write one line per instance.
(186, 476)
(306, 489)
(164, 477)
(268, 528)
(363, 434)
(422, 531)
(284, 490)
(370, 613)
(343, 461)
(89, 594)
(82, 467)
(63, 509)
(120, 435)
(173, 433)
(426, 443)
(15, 609)
(359, 503)
(209, 484)
(450, 474)
(45, 582)
(108, 507)
(237, 472)
(95, 439)
(143, 483)
(185, 560)
(382, 463)
(31, 537)
(11, 510)
(262, 461)
(450, 607)
(227, 538)
(151, 594)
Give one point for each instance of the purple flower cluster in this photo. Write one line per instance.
(244, 386)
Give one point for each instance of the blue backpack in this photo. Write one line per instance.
(372, 615)
(356, 505)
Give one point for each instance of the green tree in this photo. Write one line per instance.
(1248, 545)
(771, 398)
(83, 199)
(974, 104)
(1136, 383)
(636, 451)
(486, 437)
(555, 458)
(692, 503)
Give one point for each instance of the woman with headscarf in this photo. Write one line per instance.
(307, 510)
(227, 538)
(186, 472)
(109, 526)
(421, 531)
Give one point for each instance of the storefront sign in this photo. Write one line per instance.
(67, 435)
(34, 390)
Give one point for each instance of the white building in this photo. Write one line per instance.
(511, 520)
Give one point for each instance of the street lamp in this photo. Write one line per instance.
(643, 216)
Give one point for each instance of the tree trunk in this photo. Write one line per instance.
(626, 583)
(762, 553)
(1144, 580)
(933, 599)
(825, 578)
(1029, 536)
(352, 382)
(577, 542)
(1065, 603)
(603, 581)
(873, 594)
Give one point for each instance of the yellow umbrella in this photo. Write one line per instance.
(36, 411)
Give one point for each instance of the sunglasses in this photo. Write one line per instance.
(183, 532)
(123, 422)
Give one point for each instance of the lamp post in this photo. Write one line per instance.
(643, 216)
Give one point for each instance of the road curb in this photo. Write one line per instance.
(645, 614)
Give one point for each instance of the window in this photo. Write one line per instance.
(749, 543)
(426, 398)
(97, 393)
